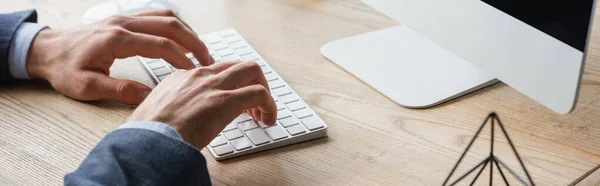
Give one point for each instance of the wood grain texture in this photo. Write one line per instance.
(372, 141)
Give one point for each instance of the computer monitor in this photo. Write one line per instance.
(447, 48)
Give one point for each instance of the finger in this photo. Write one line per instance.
(96, 86)
(163, 13)
(249, 112)
(243, 74)
(213, 69)
(173, 29)
(256, 97)
(256, 114)
(220, 67)
(126, 44)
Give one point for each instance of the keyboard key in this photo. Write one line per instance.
(296, 129)
(244, 51)
(302, 113)
(217, 58)
(230, 126)
(232, 57)
(312, 123)
(262, 125)
(219, 140)
(160, 78)
(276, 84)
(276, 132)
(274, 79)
(280, 105)
(162, 71)
(148, 60)
(283, 113)
(247, 125)
(271, 76)
(285, 94)
(212, 38)
(211, 51)
(257, 136)
(288, 98)
(237, 43)
(240, 47)
(228, 33)
(289, 121)
(242, 118)
(282, 91)
(266, 69)
(240, 143)
(251, 57)
(223, 149)
(296, 105)
(219, 46)
(196, 62)
(261, 62)
(225, 52)
(233, 39)
(155, 64)
(233, 134)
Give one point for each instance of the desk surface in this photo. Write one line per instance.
(372, 141)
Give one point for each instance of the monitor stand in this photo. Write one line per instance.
(406, 67)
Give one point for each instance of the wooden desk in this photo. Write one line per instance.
(372, 141)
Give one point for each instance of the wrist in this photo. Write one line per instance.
(186, 132)
(38, 61)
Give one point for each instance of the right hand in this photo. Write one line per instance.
(199, 103)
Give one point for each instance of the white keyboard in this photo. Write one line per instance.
(296, 121)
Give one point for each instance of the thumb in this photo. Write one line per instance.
(124, 91)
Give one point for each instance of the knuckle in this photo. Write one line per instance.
(252, 65)
(219, 97)
(260, 91)
(223, 95)
(116, 32)
(121, 89)
(166, 43)
(211, 81)
(174, 23)
(116, 20)
(264, 91)
(197, 72)
(83, 86)
(249, 66)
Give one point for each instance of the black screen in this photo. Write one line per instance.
(567, 21)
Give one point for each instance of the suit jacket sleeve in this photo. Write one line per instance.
(8, 27)
(141, 157)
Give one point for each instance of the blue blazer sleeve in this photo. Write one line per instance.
(141, 157)
(8, 27)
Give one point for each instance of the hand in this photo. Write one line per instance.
(199, 103)
(76, 62)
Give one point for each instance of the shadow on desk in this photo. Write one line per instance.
(43, 88)
(279, 166)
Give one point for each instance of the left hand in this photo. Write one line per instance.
(76, 62)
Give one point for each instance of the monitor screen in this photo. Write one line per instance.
(567, 21)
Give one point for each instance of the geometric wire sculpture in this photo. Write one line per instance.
(492, 160)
